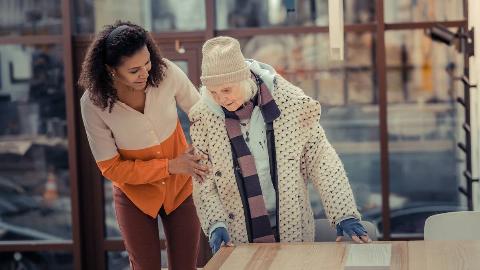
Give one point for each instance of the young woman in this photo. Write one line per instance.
(129, 110)
(264, 140)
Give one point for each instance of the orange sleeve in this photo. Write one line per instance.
(134, 172)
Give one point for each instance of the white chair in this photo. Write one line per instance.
(463, 225)
(325, 233)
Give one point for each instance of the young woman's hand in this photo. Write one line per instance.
(188, 163)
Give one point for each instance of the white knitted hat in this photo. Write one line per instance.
(223, 62)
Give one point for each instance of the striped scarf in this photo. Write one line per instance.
(261, 230)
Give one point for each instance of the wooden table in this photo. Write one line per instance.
(411, 255)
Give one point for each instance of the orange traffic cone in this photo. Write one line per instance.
(51, 191)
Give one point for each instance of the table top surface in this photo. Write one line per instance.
(405, 255)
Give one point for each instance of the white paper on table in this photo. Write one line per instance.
(368, 256)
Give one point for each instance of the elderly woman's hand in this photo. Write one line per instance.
(219, 236)
(353, 229)
(188, 163)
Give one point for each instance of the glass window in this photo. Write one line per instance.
(181, 114)
(34, 173)
(154, 15)
(410, 221)
(423, 10)
(347, 94)
(119, 260)
(30, 17)
(36, 260)
(262, 13)
(424, 124)
(111, 226)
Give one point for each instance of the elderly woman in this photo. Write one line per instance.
(264, 142)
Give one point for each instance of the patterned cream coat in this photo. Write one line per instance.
(303, 154)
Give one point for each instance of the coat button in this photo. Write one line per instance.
(218, 173)
(231, 216)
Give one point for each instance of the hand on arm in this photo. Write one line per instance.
(189, 163)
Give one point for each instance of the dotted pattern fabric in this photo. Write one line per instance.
(303, 154)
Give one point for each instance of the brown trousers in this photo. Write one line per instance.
(140, 234)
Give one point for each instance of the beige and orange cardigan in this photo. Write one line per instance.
(132, 149)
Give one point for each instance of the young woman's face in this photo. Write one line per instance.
(133, 71)
(230, 96)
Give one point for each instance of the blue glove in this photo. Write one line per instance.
(351, 227)
(219, 236)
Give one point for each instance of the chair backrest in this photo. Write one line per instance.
(325, 233)
(462, 225)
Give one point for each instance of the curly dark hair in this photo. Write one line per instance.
(110, 50)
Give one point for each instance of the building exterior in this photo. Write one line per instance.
(389, 109)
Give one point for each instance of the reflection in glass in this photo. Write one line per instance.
(263, 13)
(182, 116)
(154, 15)
(424, 125)
(30, 17)
(348, 97)
(34, 175)
(36, 260)
(111, 226)
(422, 10)
(118, 260)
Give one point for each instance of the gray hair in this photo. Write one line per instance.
(249, 87)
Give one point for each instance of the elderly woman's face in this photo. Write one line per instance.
(230, 96)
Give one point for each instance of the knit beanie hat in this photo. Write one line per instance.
(223, 62)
